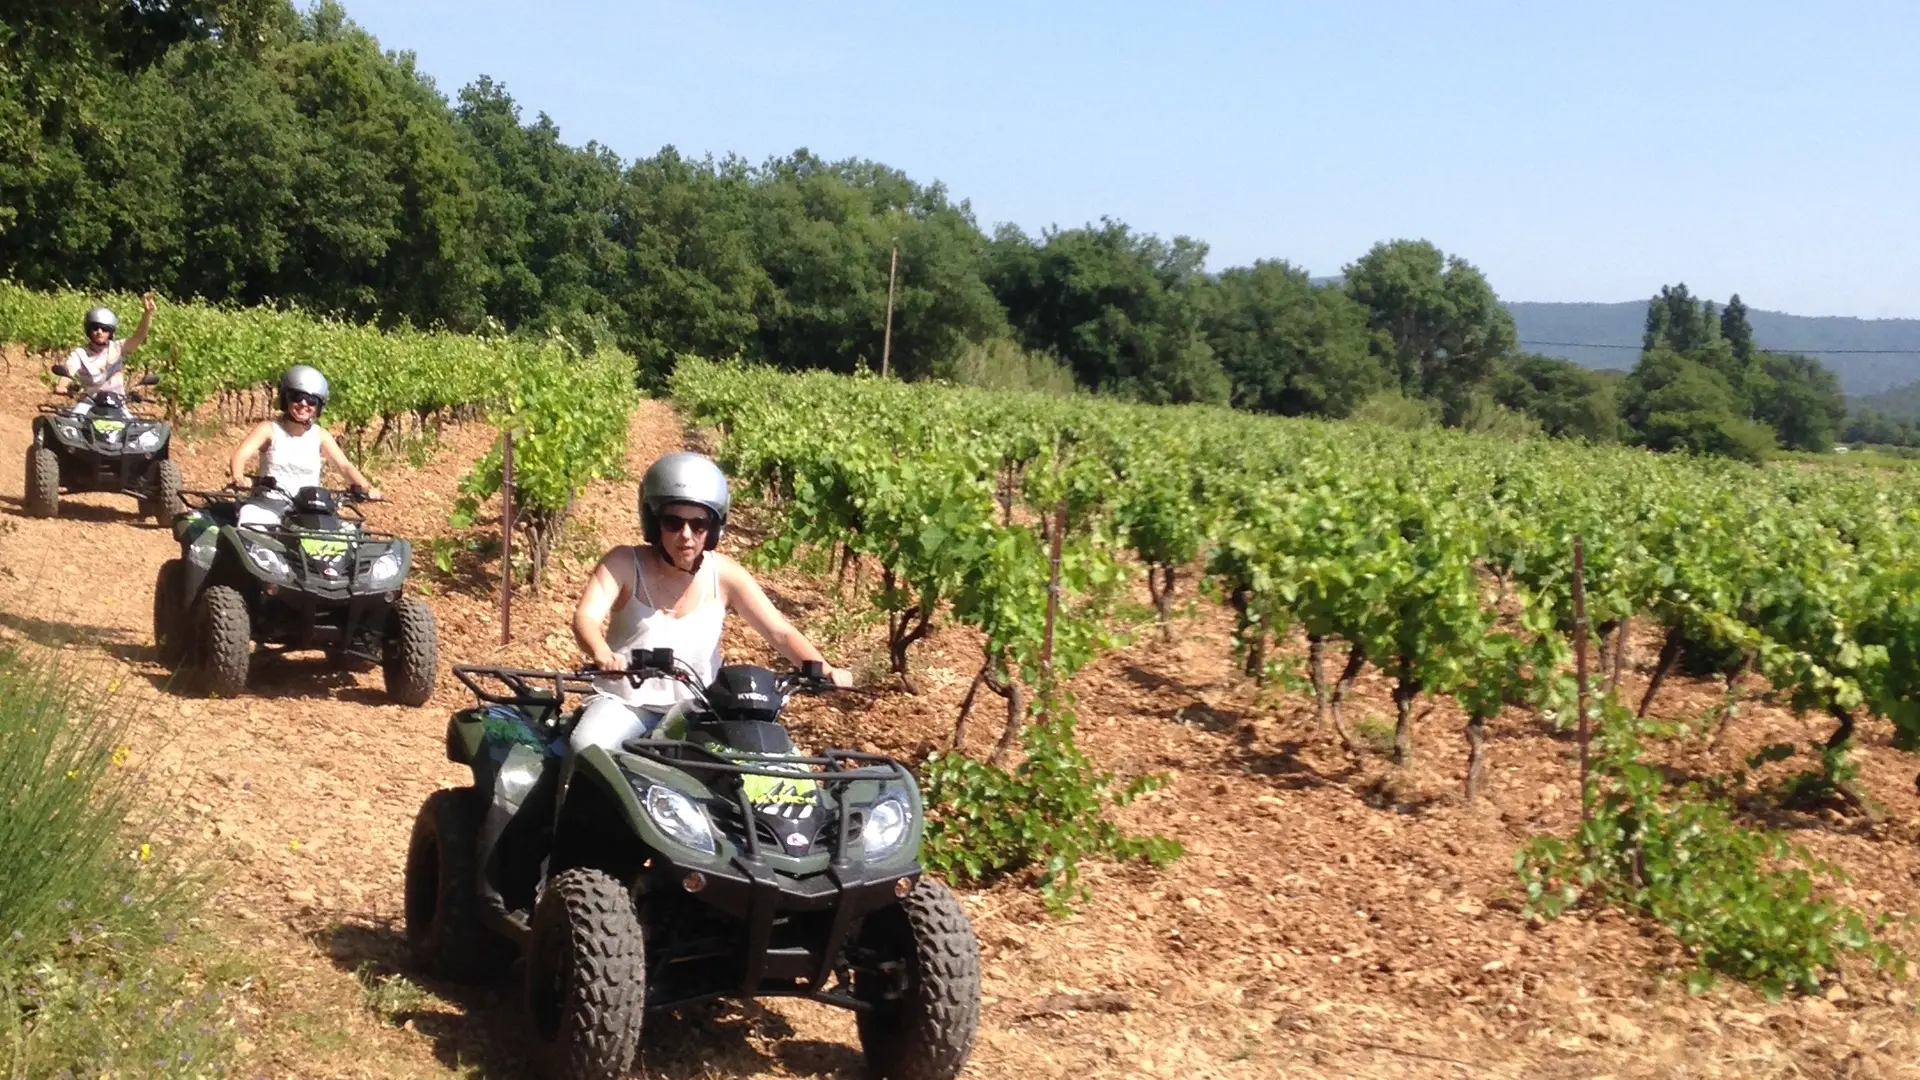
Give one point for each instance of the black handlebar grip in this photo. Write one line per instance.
(813, 670)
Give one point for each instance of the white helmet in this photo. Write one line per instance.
(104, 318)
(684, 477)
(306, 379)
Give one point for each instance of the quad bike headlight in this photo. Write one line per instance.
(676, 816)
(384, 571)
(885, 830)
(147, 441)
(269, 560)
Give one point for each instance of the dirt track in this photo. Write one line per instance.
(1331, 918)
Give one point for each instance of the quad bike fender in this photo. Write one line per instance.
(189, 526)
(59, 432)
(625, 787)
(201, 553)
(482, 737)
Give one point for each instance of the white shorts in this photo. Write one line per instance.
(607, 722)
(262, 513)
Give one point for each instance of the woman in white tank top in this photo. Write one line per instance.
(672, 592)
(291, 449)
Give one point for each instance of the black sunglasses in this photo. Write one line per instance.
(673, 523)
(301, 397)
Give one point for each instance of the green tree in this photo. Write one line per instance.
(1288, 346)
(1673, 403)
(825, 234)
(1801, 400)
(686, 278)
(1119, 307)
(1438, 322)
(1678, 322)
(1569, 401)
(1737, 330)
(544, 209)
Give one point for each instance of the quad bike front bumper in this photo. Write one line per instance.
(796, 928)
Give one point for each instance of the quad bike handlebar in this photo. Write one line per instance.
(74, 391)
(352, 493)
(529, 685)
(647, 664)
(347, 498)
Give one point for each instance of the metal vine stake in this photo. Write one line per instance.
(1580, 665)
(506, 538)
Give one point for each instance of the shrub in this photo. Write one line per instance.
(89, 982)
(1743, 902)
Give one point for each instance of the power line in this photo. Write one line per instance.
(1763, 348)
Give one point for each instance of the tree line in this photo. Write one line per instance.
(246, 152)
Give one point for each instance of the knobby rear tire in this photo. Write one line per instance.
(446, 933)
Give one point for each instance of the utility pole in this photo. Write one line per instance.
(886, 343)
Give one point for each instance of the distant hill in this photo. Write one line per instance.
(1621, 324)
(1901, 401)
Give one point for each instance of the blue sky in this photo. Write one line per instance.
(1572, 151)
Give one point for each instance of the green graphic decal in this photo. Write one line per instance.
(778, 791)
(323, 548)
(508, 730)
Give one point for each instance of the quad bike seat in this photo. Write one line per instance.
(223, 512)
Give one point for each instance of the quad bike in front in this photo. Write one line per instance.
(106, 448)
(707, 860)
(318, 580)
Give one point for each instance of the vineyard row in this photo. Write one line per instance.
(1442, 559)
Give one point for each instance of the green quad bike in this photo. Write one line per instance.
(315, 581)
(707, 860)
(107, 449)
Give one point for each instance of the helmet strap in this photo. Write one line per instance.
(660, 552)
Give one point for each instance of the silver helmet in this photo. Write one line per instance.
(101, 317)
(684, 477)
(306, 379)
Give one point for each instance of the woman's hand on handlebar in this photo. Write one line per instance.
(840, 677)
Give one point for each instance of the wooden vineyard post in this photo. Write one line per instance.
(1053, 603)
(1580, 666)
(506, 537)
(886, 342)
